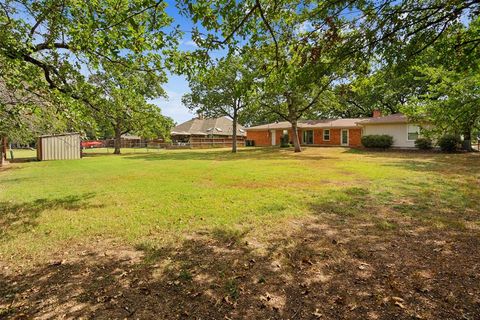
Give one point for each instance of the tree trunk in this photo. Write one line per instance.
(296, 140)
(3, 150)
(234, 134)
(467, 140)
(118, 140)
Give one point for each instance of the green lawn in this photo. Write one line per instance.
(267, 198)
(137, 198)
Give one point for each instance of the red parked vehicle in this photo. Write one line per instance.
(92, 144)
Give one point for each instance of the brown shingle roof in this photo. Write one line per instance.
(307, 124)
(393, 118)
(217, 126)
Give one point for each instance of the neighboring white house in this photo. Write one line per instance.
(396, 125)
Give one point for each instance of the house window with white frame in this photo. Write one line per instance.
(413, 132)
(326, 135)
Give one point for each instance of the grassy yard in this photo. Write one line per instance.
(266, 233)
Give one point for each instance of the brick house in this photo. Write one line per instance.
(338, 132)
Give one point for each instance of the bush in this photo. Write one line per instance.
(284, 141)
(377, 141)
(423, 143)
(448, 143)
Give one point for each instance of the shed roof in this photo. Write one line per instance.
(217, 126)
(59, 134)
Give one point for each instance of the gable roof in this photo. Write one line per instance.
(217, 126)
(392, 118)
(312, 124)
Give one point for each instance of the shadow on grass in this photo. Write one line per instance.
(224, 155)
(420, 204)
(23, 160)
(19, 217)
(336, 269)
(344, 202)
(457, 163)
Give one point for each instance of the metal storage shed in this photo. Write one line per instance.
(59, 147)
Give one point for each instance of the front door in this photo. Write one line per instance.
(308, 137)
(344, 141)
(274, 137)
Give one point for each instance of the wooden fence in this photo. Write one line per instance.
(215, 142)
(194, 143)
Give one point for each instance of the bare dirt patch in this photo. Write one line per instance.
(331, 268)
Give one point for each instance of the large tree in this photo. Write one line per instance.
(53, 46)
(295, 88)
(121, 100)
(224, 89)
(448, 73)
(300, 48)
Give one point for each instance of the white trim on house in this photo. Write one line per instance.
(341, 137)
(408, 131)
(323, 134)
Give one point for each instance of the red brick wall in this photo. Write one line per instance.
(355, 139)
(263, 138)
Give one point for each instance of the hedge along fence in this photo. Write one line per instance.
(377, 141)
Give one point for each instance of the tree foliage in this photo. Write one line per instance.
(52, 47)
(225, 89)
(122, 103)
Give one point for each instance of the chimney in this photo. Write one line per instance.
(377, 113)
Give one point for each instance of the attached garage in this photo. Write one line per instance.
(397, 125)
(59, 147)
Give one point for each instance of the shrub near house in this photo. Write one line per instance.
(448, 143)
(423, 143)
(377, 141)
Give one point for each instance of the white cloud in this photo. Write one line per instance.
(173, 107)
(304, 27)
(190, 43)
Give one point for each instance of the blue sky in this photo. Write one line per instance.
(177, 86)
(173, 107)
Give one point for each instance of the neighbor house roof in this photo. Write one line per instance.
(217, 126)
(393, 118)
(312, 124)
(128, 136)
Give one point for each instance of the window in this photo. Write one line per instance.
(326, 135)
(285, 132)
(413, 131)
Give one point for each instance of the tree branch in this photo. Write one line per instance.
(46, 45)
(130, 16)
(262, 15)
(238, 26)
